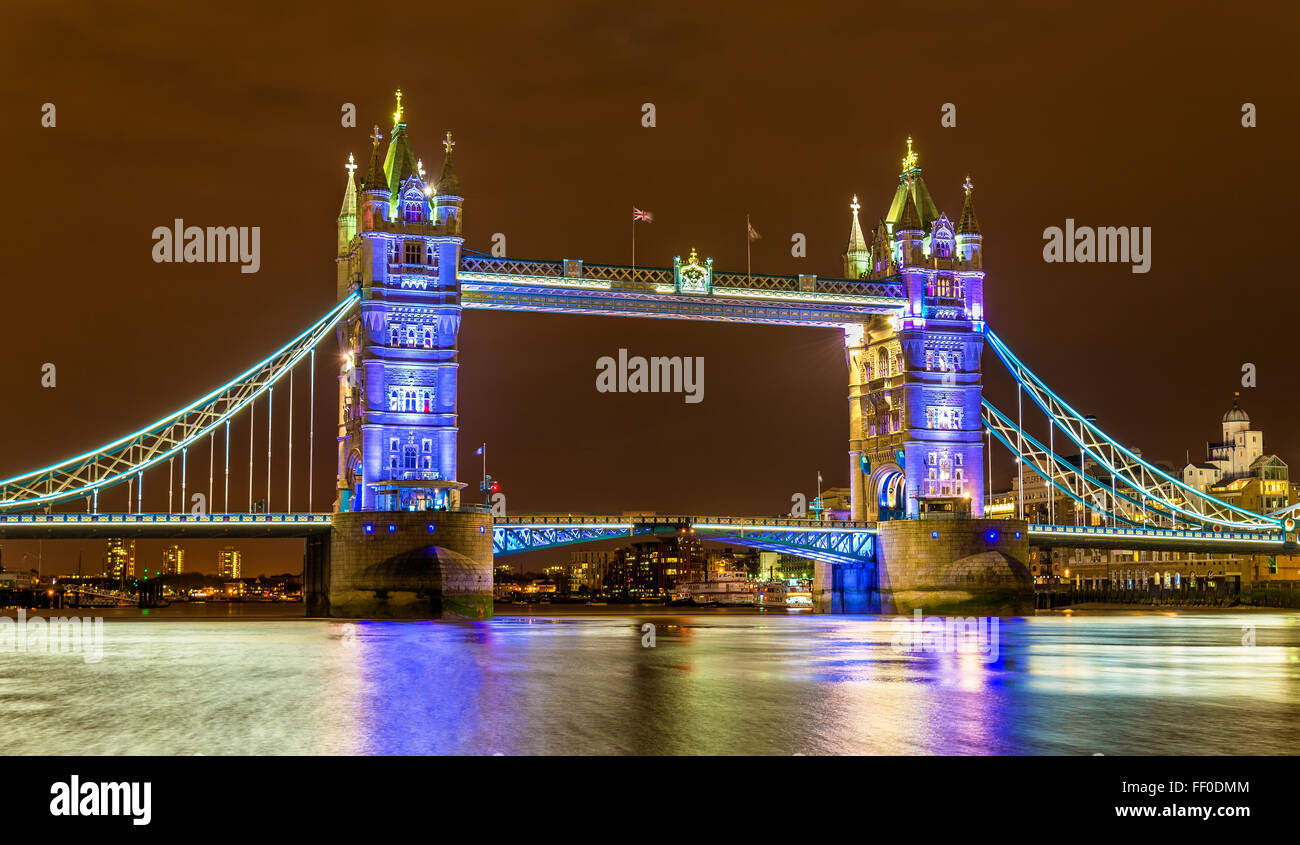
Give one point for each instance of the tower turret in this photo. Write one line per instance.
(969, 240)
(347, 223)
(909, 234)
(374, 190)
(857, 256)
(448, 197)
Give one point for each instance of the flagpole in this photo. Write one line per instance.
(634, 244)
(485, 490)
(748, 241)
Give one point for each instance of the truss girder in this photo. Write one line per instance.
(117, 462)
(842, 543)
(515, 539)
(1128, 468)
(830, 545)
(1086, 490)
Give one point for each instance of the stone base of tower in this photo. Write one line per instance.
(408, 565)
(943, 567)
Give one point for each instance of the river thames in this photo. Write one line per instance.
(238, 680)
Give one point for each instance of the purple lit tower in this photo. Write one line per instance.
(914, 377)
(399, 245)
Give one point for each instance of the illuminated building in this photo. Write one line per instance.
(914, 377)
(649, 569)
(779, 566)
(731, 560)
(173, 560)
(229, 563)
(586, 571)
(399, 239)
(837, 503)
(1231, 458)
(119, 559)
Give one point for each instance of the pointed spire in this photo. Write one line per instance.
(448, 181)
(910, 220)
(969, 223)
(375, 179)
(857, 243)
(911, 183)
(857, 257)
(350, 192)
(399, 163)
(347, 223)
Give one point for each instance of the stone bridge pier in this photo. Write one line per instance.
(401, 564)
(945, 567)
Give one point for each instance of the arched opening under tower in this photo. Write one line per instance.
(890, 492)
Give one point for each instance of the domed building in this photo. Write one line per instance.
(1232, 457)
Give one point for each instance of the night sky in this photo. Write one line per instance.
(1114, 115)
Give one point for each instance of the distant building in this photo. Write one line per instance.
(119, 559)
(173, 560)
(229, 563)
(837, 503)
(731, 560)
(1231, 458)
(649, 569)
(779, 566)
(588, 569)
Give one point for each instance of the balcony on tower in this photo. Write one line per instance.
(417, 490)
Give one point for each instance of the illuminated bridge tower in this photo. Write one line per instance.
(401, 544)
(914, 377)
(397, 388)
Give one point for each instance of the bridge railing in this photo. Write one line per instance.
(1156, 533)
(163, 518)
(737, 521)
(654, 279)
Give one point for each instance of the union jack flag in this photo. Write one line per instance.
(642, 216)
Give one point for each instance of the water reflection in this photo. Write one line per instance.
(715, 683)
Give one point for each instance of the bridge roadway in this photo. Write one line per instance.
(169, 526)
(833, 542)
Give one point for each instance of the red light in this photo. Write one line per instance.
(495, 487)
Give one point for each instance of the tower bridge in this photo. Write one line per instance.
(399, 540)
